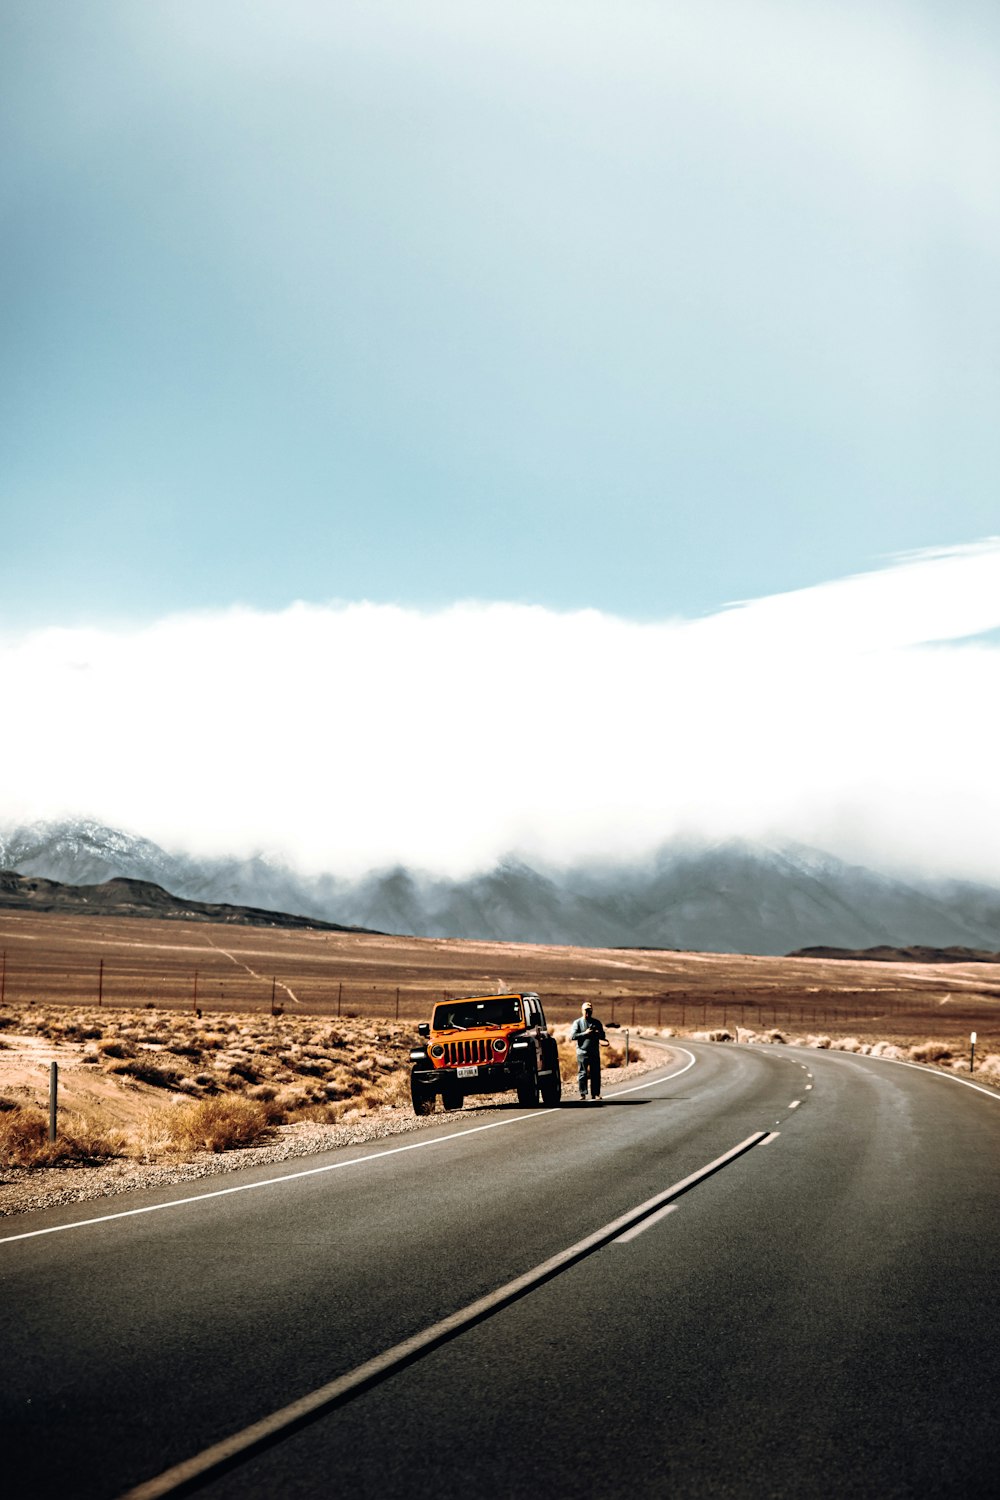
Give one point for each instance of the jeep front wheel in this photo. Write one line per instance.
(422, 1097)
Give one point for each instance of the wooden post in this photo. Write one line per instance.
(397, 1002)
(194, 998)
(100, 983)
(53, 1088)
(3, 977)
(340, 992)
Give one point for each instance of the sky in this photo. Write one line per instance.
(382, 380)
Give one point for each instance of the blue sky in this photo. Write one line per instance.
(374, 369)
(640, 307)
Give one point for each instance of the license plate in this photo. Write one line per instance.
(467, 1072)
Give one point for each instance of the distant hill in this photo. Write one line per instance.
(884, 955)
(121, 897)
(733, 897)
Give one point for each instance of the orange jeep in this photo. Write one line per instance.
(485, 1044)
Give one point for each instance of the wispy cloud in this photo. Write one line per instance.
(857, 715)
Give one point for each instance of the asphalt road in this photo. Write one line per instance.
(818, 1315)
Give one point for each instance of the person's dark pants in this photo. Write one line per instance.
(589, 1066)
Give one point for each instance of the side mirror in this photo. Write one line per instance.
(424, 1028)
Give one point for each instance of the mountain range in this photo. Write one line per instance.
(729, 898)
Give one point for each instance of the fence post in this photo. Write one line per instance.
(53, 1087)
(397, 1002)
(972, 1052)
(100, 983)
(340, 991)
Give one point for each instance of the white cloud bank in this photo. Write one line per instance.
(858, 716)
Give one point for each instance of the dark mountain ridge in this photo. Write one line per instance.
(918, 955)
(123, 897)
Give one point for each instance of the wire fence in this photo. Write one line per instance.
(219, 982)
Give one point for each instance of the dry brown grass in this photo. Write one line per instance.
(172, 1082)
(24, 1140)
(220, 1124)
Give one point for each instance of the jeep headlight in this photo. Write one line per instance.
(437, 1050)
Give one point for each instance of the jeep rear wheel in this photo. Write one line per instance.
(527, 1090)
(452, 1096)
(422, 1097)
(552, 1089)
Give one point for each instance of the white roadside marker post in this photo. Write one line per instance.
(972, 1052)
(53, 1086)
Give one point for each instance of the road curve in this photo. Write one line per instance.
(813, 1313)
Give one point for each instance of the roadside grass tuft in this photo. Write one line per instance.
(148, 1072)
(220, 1124)
(24, 1140)
(930, 1052)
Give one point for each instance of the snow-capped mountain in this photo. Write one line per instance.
(733, 898)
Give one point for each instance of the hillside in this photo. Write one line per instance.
(885, 955)
(121, 897)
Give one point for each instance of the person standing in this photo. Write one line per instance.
(588, 1034)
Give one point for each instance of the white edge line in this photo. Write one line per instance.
(895, 1062)
(354, 1161)
(898, 1062)
(298, 1412)
(769, 1138)
(248, 1187)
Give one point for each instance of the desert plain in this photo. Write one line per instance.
(55, 959)
(179, 1040)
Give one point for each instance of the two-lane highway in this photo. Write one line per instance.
(813, 1314)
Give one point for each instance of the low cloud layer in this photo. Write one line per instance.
(862, 716)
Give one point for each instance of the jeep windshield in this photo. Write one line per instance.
(462, 1015)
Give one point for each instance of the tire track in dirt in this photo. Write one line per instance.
(280, 983)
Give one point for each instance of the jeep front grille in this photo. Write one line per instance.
(473, 1049)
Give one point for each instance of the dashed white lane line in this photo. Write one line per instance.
(795, 1104)
(289, 1418)
(335, 1166)
(637, 1229)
